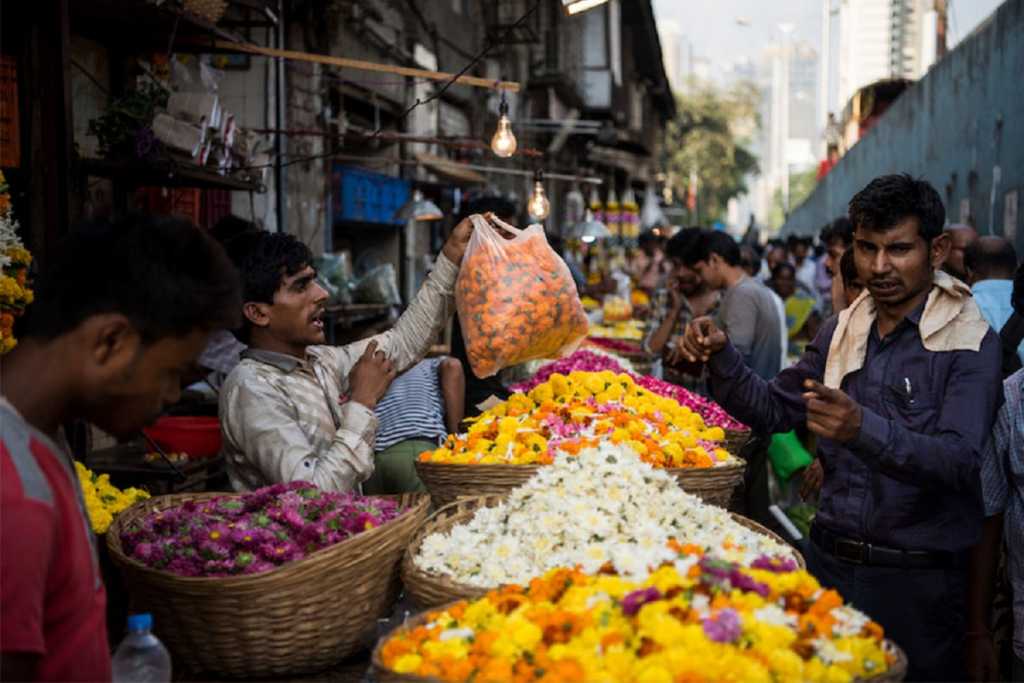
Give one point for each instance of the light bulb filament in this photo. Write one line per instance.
(504, 141)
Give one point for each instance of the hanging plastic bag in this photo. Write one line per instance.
(516, 299)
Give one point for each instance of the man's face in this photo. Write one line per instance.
(896, 264)
(295, 319)
(710, 272)
(686, 279)
(960, 239)
(833, 253)
(799, 252)
(130, 384)
(775, 256)
(785, 283)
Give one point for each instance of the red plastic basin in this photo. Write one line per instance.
(197, 436)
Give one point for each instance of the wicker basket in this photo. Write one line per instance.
(897, 672)
(735, 440)
(430, 590)
(301, 617)
(448, 482)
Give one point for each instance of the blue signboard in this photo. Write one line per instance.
(368, 197)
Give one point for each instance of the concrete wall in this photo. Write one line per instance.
(961, 127)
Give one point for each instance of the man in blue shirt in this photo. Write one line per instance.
(991, 262)
(902, 390)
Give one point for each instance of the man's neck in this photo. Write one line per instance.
(262, 342)
(888, 317)
(732, 276)
(32, 380)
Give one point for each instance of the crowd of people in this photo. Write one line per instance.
(884, 348)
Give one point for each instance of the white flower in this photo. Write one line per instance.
(827, 652)
(776, 616)
(849, 621)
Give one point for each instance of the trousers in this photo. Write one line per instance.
(924, 611)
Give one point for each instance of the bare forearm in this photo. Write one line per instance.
(661, 335)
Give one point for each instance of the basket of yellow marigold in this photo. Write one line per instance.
(506, 444)
(715, 621)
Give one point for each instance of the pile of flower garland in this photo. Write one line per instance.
(602, 510)
(568, 414)
(630, 330)
(594, 360)
(103, 500)
(694, 621)
(252, 533)
(15, 294)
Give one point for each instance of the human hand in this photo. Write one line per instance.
(982, 663)
(702, 340)
(831, 413)
(371, 376)
(811, 480)
(455, 245)
(675, 295)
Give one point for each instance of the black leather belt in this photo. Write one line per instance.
(859, 552)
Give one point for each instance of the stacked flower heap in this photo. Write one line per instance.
(604, 510)
(15, 259)
(593, 360)
(700, 619)
(103, 500)
(632, 330)
(569, 413)
(252, 533)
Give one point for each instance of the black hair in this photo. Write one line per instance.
(713, 242)
(263, 260)
(647, 237)
(848, 268)
(889, 199)
(499, 206)
(991, 257)
(779, 267)
(168, 277)
(230, 227)
(682, 243)
(841, 229)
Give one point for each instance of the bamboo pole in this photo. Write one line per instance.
(346, 63)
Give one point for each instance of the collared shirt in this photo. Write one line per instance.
(993, 298)
(910, 478)
(283, 418)
(660, 307)
(1002, 482)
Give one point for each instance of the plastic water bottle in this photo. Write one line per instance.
(141, 657)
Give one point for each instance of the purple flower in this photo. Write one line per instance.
(632, 603)
(779, 565)
(723, 627)
(747, 584)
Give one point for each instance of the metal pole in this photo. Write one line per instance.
(279, 179)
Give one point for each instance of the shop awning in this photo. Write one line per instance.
(453, 170)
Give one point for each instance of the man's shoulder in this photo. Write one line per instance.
(1013, 388)
(28, 460)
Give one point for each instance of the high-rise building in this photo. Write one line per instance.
(675, 53)
(885, 39)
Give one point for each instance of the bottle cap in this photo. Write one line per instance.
(140, 622)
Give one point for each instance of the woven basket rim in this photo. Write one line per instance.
(896, 672)
(416, 502)
(739, 464)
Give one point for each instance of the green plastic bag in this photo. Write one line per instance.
(788, 455)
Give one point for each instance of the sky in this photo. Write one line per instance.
(716, 34)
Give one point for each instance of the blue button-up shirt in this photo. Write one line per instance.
(994, 299)
(910, 479)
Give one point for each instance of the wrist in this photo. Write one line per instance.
(451, 252)
(368, 402)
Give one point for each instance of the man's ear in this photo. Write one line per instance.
(940, 248)
(110, 341)
(257, 313)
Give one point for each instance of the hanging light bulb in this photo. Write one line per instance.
(538, 206)
(504, 142)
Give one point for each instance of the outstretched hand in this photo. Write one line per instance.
(831, 413)
(702, 340)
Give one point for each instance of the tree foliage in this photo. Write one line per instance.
(711, 136)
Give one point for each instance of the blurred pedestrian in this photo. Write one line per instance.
(802, 317)
(648, 266)
(902, 391)
(846, 285)
(960, 236)
(800, 257)
(685, 296)
(989, 263)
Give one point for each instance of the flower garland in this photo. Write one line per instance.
(103, 500)
(702, 620)
(15, 293)
(252, 533)
(568, 414)
(605, 509)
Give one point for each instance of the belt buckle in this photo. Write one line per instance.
(854, 552)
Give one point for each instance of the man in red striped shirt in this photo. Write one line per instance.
(122, 311)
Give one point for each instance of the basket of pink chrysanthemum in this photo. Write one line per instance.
(284, 580)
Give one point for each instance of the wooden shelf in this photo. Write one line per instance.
(165, 174)
(138, 23)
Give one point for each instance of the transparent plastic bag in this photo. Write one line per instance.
(379, 286)
(516, 299)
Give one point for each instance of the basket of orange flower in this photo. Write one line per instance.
(567, 414)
